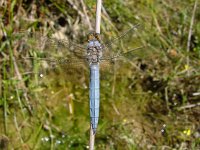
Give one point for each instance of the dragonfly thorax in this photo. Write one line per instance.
(94, 51)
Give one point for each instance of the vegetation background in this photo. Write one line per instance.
(150, 102)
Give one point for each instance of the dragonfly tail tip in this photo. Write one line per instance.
(94, 131)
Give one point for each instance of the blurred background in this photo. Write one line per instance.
(151, 100)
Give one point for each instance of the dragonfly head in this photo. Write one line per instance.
(92, 36)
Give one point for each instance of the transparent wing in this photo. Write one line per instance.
(127, 41)
(51, 45)
(52, 52)
(40, 54)
(126, 45)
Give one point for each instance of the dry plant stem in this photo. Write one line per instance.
(115, 109)
(4, 92)
(113, 91)
(189, 106)
(98, 16)
(18, 129)
(92, 138)
(19, 77)
(167, 98)
(76, 8)
(85, 12)
(189, 36)
(107, 18)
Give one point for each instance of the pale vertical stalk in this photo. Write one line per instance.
(189, 37)
(92, 138)
(98, 16)
(97, 29)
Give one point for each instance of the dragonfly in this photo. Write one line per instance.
(56, 52)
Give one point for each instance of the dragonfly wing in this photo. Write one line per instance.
(121, 41)
(46, 53)
(110, 62)
(123, 45)
(52, 44)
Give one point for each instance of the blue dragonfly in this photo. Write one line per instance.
(96, 54)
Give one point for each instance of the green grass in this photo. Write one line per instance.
(145, 93)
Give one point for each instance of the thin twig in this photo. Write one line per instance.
(76, 8)
(82, 14)
(18, 129)
(92, 138)
(189, 106)
(21, 85)
(167, 98)
(85, 12)
(107, 18)
(189, 36)
(98, 16)
(196, 94)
